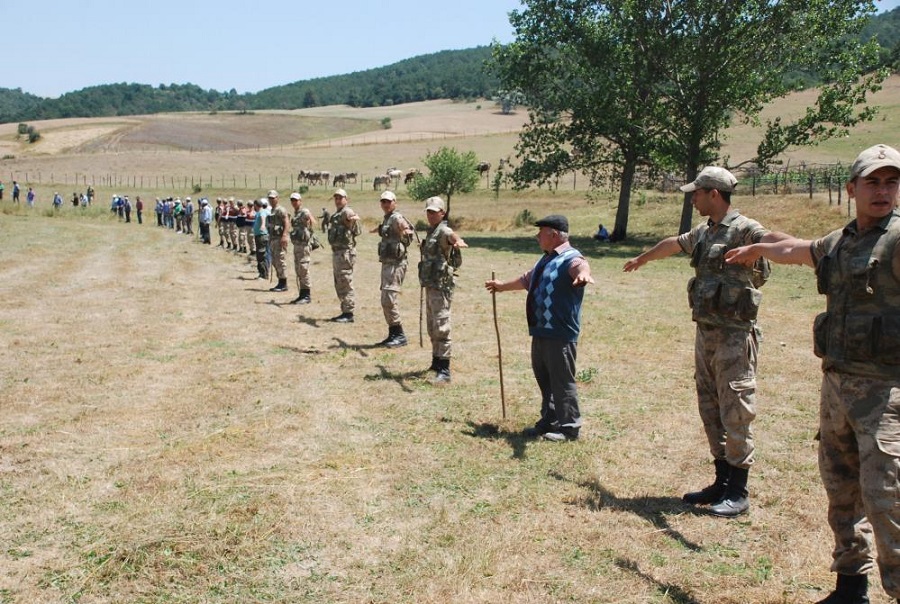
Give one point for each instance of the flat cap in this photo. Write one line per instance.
(554, 221)
(712, 177)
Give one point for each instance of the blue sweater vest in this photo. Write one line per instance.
(553, 306)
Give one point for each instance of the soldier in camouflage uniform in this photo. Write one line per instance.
(858, 339)
(437, 272)
(302, 224)
(279, 233)
(724, 302)
(396, 234)
(343, 229)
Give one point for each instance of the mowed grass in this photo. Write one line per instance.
(173, 432)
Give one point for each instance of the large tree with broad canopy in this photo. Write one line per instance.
(614, 86)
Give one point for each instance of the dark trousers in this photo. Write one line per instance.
(262, 250)
(140, 215)
(204, 232)
(553, 363)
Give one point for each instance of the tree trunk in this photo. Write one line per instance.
(687, 212)
(620, 231)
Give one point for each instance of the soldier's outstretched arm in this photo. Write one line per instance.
(786, 251)
(665, 248)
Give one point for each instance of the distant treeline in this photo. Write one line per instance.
(454, 74)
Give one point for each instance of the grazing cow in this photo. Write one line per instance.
(350, 176)
(411, 175)
(382, 180)
(394, 174)
(325, 176)
(484, 167)
(339, 178)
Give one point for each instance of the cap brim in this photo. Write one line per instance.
(688, 188)
(878, 166)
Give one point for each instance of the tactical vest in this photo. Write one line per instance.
(859, 333)
(435, 270)
(723, 294)
(300, 231)
(278, 222)
(393, 245)
(341, 236)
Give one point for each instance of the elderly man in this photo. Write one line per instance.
(858, 340)
(553, 309)
(724, 303)
(343, 229)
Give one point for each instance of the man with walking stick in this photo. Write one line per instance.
(553, 309)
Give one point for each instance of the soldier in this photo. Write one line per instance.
(396, 234)
(251, 238)
(343, 229)
(261, 233)
(325, 218)
(858, 340)
(724, 302)
(302, 224)
(243, 227)
(231, 231)
(437, 272)
(220, 220)
(279, 234)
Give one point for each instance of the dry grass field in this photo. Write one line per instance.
(173, 432)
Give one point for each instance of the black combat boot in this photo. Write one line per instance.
(344, 317)
(850, 589)
(303, 298)
(714, 492)
(442, 375)
(736, 500)
(281, 287)
(396, 337)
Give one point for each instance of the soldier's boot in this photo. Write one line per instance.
(344, 317)
(442, 375)
(714, 492)
(303, 298)
(736, 500)
(850, 589)
(281, 286)
(396, 337)
(434, 365)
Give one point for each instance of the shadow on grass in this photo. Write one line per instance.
(651, 509)
(587, 246)
(672, 592)
(297, 350)
(401, 379)
(515, 440)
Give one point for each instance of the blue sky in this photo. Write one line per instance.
(52, 47)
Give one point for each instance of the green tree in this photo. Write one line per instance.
(614, 86)
(449, 172)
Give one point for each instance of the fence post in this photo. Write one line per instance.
(811, 178)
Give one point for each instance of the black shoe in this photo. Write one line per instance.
(560, 436)
(729, 508)
(537, 430)
(715, 492)
(281, 287)
(344, 317)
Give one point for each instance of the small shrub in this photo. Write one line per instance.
(197, 188)
(386, 123)
(525, 218)
(23, 128)
(9, 156)
(303, 189)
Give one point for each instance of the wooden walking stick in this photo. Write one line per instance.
(499, 348)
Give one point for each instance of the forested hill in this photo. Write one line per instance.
(455, 74)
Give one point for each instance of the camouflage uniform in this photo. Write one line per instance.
(301, 233)
(858, 338)
(725, 299)
(437, 276)
(392, 254)
(279, 221)
(342, 233)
